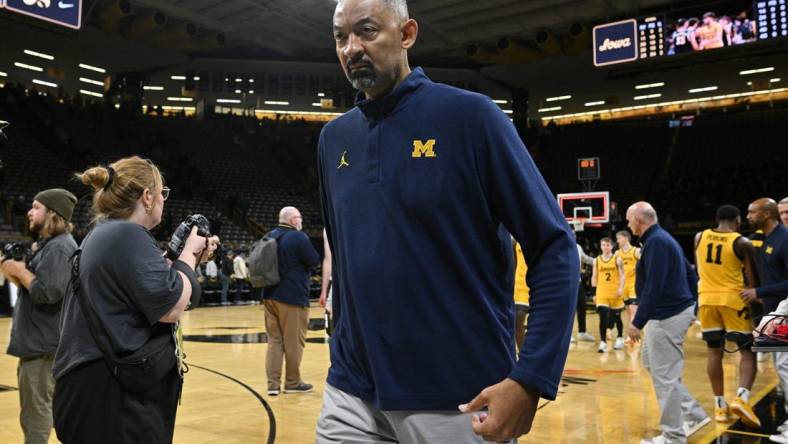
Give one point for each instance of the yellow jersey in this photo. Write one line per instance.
(606, 277)
(630, 259)
(522, 293)
(719, 269)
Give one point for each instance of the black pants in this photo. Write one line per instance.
(90, 406)
(581, 309)
(608, 319)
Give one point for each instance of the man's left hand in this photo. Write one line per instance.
(633, 333)
(510, 411)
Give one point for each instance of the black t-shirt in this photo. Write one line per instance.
(130, 287)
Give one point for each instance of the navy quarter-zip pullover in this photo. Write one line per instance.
(772, 261)
(419, 189)
(665, 282)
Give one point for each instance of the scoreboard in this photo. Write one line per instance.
(651, 37)
(588, 168)
(690, 28)
(771, 19)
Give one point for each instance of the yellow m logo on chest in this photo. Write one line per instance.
(425, 149)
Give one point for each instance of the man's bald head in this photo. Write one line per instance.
(763, 214)
(645, 211)
(291, 216)
(768, 205)
(640, 217)
(398, 8)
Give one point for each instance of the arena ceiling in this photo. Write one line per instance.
(300, 29)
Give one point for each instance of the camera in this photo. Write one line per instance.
(178, 240)
(14, 251)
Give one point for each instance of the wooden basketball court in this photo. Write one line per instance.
(605, 398)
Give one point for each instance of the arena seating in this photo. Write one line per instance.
(240, 171)
(208, 164)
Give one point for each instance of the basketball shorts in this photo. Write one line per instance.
(716, 320)
(629, 295)
(613, 301)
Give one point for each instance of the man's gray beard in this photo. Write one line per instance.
(364, 82)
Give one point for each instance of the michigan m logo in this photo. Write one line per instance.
(426, 149)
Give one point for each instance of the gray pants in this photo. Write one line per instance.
(663, 356)
(781, 365)
(36, 386)
(346, 418)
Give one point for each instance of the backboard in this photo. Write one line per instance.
(590, 207)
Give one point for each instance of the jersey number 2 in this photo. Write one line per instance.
(709, 251)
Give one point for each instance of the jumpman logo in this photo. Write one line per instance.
(343, 161)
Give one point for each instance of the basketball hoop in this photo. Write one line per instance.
(578, 224)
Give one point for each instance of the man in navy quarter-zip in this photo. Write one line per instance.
(666, 287)
(421, 185)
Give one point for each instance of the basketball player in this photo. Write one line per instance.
(521, 295)
(782, 207)
(709, 36)
(720, 256)
(681, 37)
(419, 197)
(608, 278)
(629, 255)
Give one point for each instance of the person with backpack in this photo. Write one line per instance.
(286, 303)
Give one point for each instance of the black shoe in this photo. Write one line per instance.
(300, 388)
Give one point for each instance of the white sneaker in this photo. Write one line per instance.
(619, 344)
(585, 337)
(659, 439)
(782, 428)
(602, 347)
(781, 438)
(572, 340)
(690, 427)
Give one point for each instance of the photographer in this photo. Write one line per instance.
(124, 312)
(42, 283)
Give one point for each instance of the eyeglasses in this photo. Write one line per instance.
(165, 193)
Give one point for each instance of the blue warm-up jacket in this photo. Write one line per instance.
(419, 189)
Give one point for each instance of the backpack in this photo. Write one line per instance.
(264, 261)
